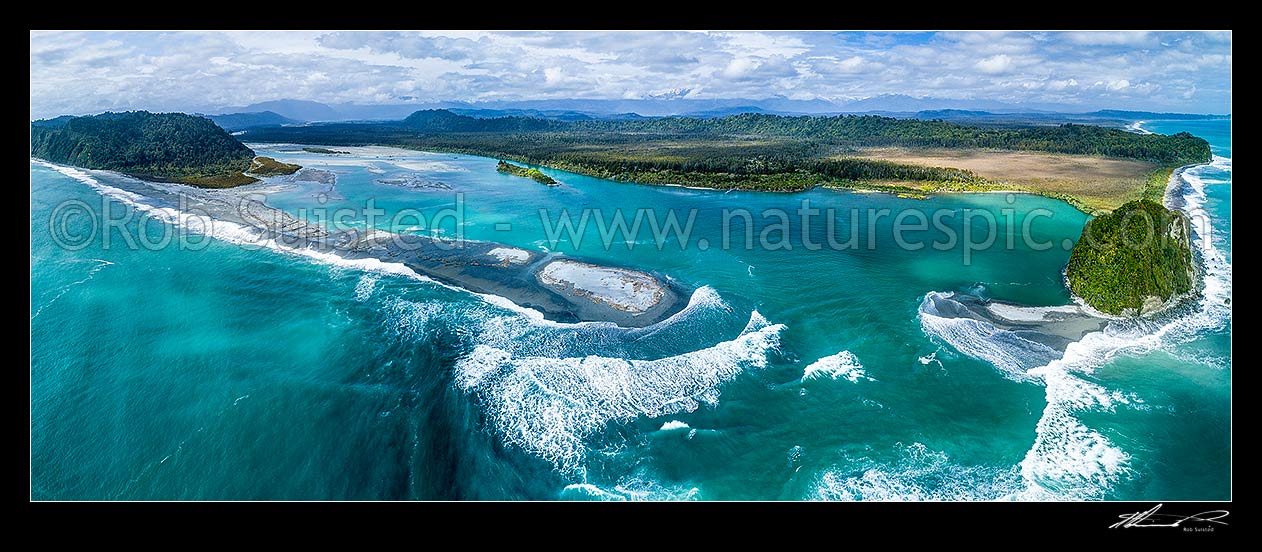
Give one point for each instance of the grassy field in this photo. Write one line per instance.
(1096, 183)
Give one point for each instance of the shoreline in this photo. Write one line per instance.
(1173, 186)
(622, 296)
(1168, 199)
(1054, 327)
(1057, 327)
(1138, 128)
(1174, 183)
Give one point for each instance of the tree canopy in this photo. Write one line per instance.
(169, 146)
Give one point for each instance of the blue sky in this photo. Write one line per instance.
(87, 72)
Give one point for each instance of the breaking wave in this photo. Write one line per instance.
(841, 365)
(1006, 350)
(550, 406)
(630, 489)
(1069, 460)
(918, 474)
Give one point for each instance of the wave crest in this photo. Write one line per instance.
(549, 407)
(919, 474)
(1006, 350)
(841, 365)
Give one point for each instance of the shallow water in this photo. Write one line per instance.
(245, 373)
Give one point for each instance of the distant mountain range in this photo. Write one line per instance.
(1107, 117)
(907, 104)
(552, 114)
(299, 110)
(896, 105)
(303, 110)
(242, 121)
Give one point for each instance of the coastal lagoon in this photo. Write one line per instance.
(227, 370)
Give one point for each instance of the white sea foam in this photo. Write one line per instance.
(674, 425)
(794, 456)
(1069, 460)
(550, 406)
(1012, 354)
(918, 474)
(631, 489)
(100, 263)
(520, 336)
(932, 357)
(702, 299)
(365, 286)
(1191, 199)
(510, 334)
(1137, 127)
(406, 318)
(246, 236)
(166, 214)
(546, 405)
(841, 365)
(587, 491)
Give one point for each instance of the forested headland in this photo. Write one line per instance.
(172, 147)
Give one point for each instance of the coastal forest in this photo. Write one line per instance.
(747, 151)
(161, 146)
(1133, 260)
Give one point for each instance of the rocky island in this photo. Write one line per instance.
(1132, 261)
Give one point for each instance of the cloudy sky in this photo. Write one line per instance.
(77, 72)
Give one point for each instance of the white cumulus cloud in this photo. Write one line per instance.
(87, 72)
(995, 65)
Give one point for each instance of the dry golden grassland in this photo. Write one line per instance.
(1096, 182)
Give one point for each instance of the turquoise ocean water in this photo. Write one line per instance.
(218, 371)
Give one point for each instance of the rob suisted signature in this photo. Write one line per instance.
(1150, 518)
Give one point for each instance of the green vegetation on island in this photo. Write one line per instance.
(531, 173)
(756, 151)
(1133, 260)
(326, 151)
(266, 166)
(171, 147)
